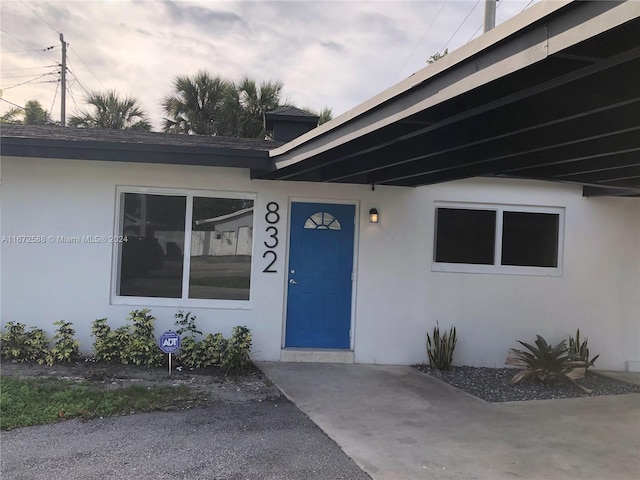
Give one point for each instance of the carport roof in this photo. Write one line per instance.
(552, 94)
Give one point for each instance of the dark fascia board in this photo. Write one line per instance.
(591, 191)
(290, 119)
(138, 153)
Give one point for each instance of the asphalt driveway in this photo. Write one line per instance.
(226, 441)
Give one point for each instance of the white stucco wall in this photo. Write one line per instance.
(42, 283)
(598, 291)
(397, 295)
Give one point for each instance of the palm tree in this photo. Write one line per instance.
(210, 105)
(11, 116)
(32, 114)
(111, 113)
(196, 104)
(324, 115)
(252, 102)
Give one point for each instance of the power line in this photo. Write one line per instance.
(72, 97)
(87, 67)
(75, 78)
(30, 81)
(11, 103)
(26, 51)
(30, 47)
(498, 3)
(27, 68)
(54, 97)
(50, 26)
(420, 41)
(17, 76)
(460, 26)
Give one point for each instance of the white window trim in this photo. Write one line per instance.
(183, 302)
(496, 268)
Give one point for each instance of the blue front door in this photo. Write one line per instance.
(320, 275)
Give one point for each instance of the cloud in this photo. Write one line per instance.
(328, 53)
(201, 17)
(336, 47)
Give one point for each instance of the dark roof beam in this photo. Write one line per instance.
(470, 168)
(617, 60)
(582, 128)
(622, 174)
(580, 58)
(594, 164)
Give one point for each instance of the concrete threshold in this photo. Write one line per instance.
(316, 355)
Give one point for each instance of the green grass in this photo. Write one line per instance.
(27, 402)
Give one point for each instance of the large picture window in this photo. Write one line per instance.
(498, 239)
(194, 246)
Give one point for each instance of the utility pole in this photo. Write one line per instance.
(489, 15)
(63, 81)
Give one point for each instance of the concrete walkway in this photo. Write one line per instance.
(399, 424)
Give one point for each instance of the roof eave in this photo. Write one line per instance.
(135, 153)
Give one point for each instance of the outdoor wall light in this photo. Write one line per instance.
(373, 216)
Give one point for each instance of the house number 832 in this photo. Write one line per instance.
(271, 217)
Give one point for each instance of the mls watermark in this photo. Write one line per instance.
(63, 239)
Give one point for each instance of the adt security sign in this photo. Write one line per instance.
(169, 342)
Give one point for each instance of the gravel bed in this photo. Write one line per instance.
(494, 384)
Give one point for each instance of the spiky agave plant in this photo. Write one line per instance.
(546, 363)
(440, 348)
(579, 351)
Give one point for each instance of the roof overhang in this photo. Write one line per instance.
(552, 94)
(127, 146)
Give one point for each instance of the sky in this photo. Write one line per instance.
(334, 54)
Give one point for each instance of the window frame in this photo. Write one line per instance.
(497, 267)
(184, 301)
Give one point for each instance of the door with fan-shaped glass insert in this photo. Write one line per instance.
(319, 276)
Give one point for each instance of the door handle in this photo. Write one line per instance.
(293, 282)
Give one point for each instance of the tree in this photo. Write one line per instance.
(251, 102)
(324, 115)
(437, 56)
(110, 112)
(32, 114)
(10, 116)
(210, 105)
(196, 105)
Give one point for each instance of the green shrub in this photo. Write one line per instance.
(195, 353)
(236, 355)
(545, 363)
(65, 348)
(134, 343)
(189, 353)
(19, 345)
(108, 345)
(213, 349)
(142, 347)
(579, 351)
(187, 323)
(440, 348)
